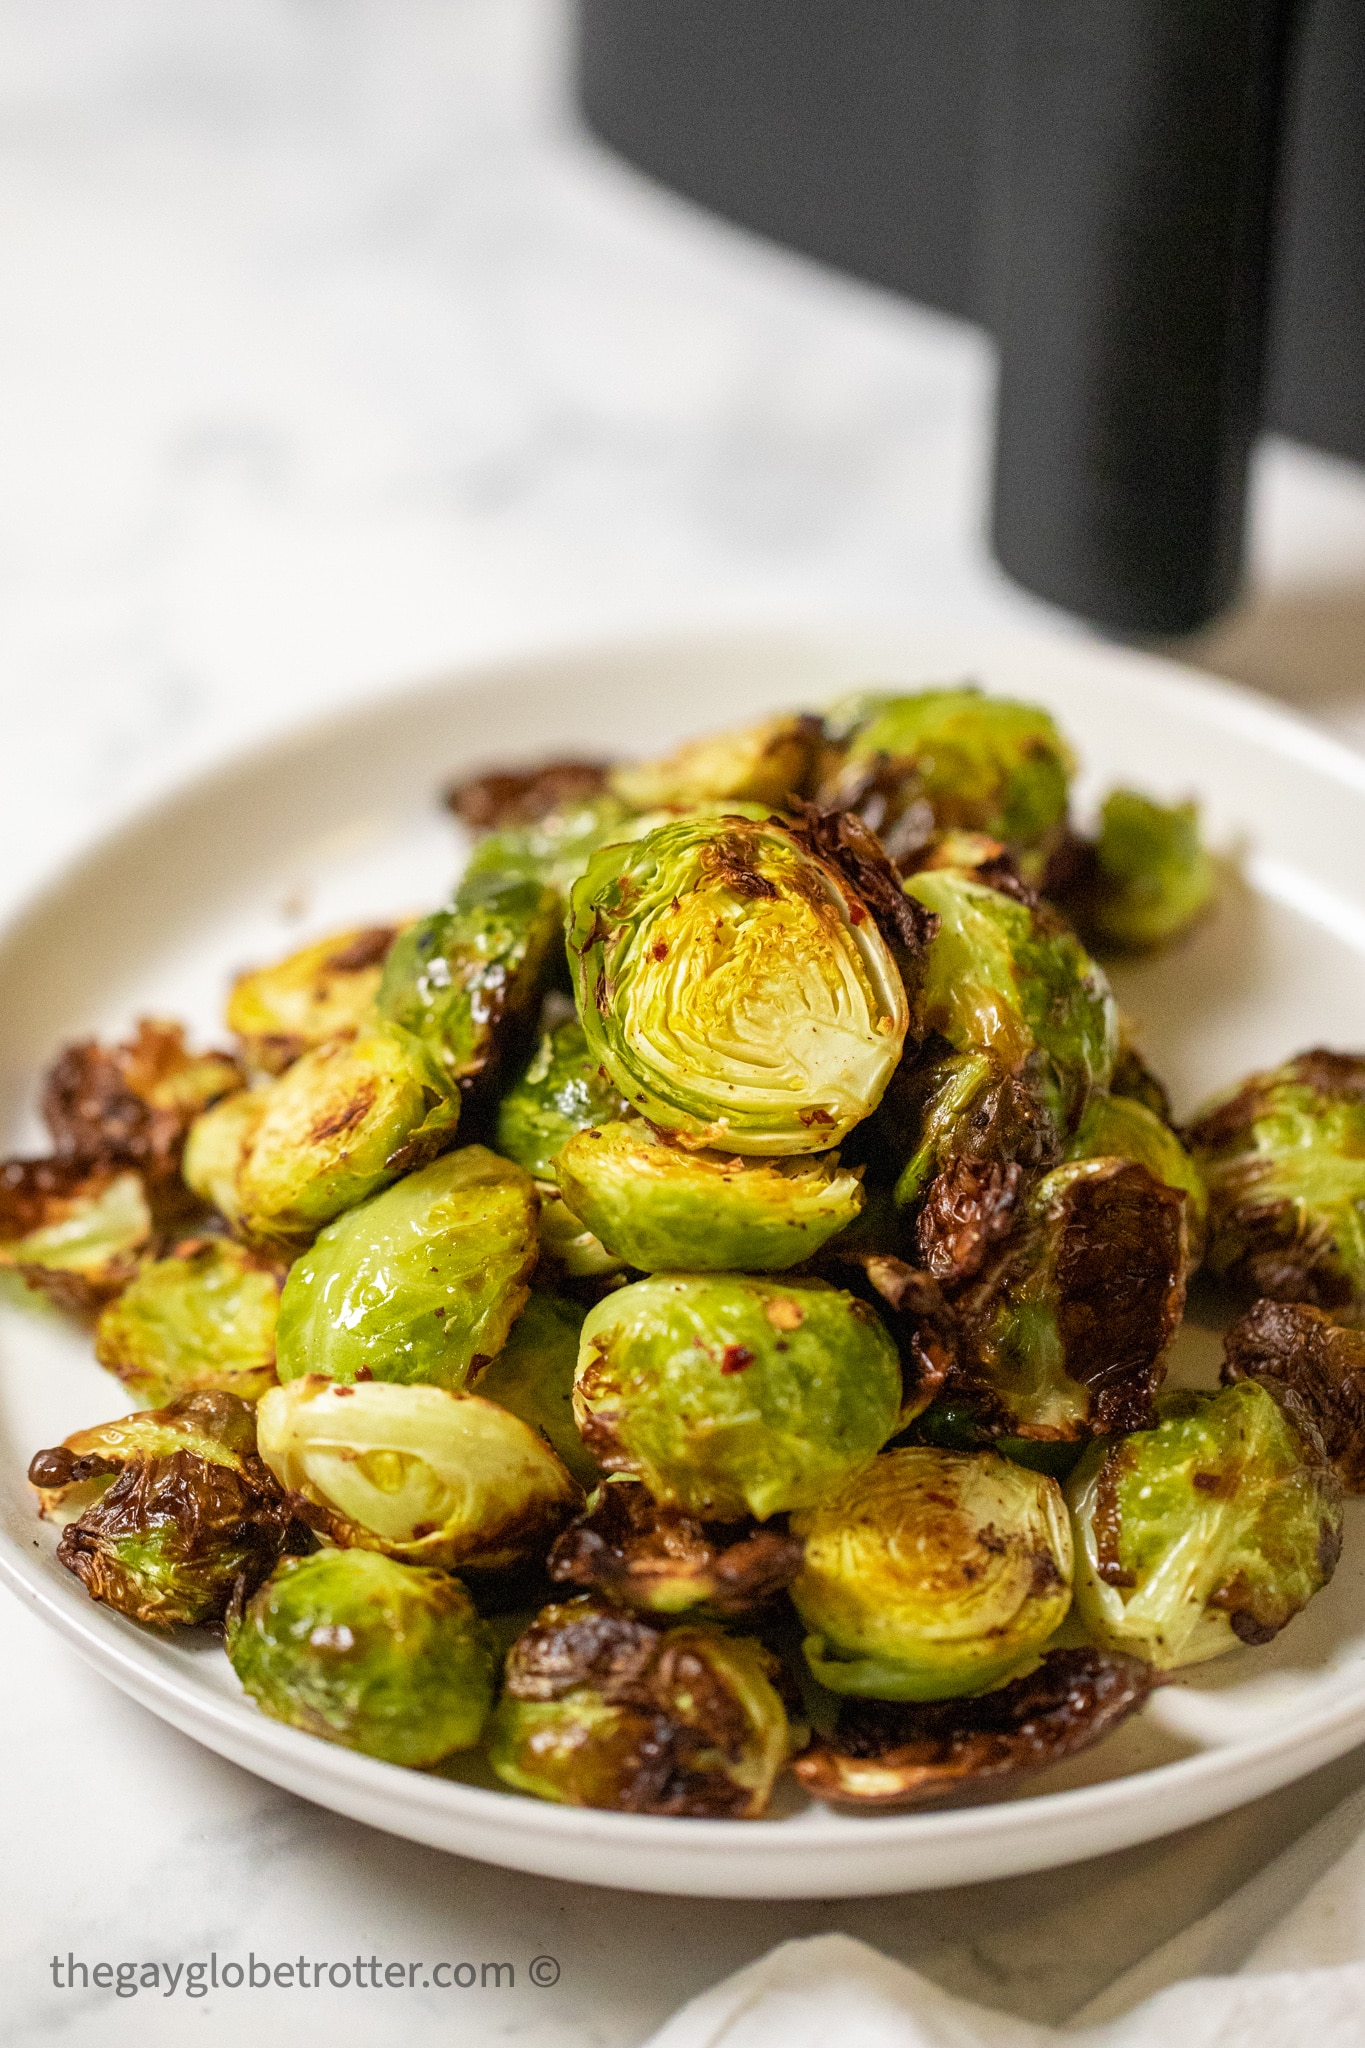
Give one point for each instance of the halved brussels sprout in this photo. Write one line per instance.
(532, 1376)
(987, 764)
(204, 1317)
(1120, 1127)
(931, 1573)
(73, 1233)
(1008, 978)
(1214, 1528)
(323, 991)
(420, 1283)
(630, 1550)
(563, 1090)
(556, 849)
(466, 981)
(762, 763)
(605, 1709)
(661, 1208)
(1315, 1369)
(342, 1122)
(378, 1656)
(734, 988)
(434, 1478)
(732, 1396)
(1152, 878)
(215, 1426)
(1283, 1158)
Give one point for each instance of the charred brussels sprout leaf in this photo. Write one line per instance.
(563, 1090)
(323, 991)
(1152, 877)
(932, 1573)
(631, 1551)
(435, 1478)
(886, 1756)
(659, 1207)
(532, 1376)
(72, 1233)
(420, 1283)
(466, 981)
(217, 1426)
(732, 1396)
(1008, 978)
(380, 1657)
(205, 1317)
(523, 796)
(345, 1120)
(1214, 1528)
(1120, 1127)
(1316, 1371)
(1283, 1158)
(734, 989)
(759, 764)
(967, 1107)
(605, 1709)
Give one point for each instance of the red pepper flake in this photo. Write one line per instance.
(362, 1372)
(735, 1358)
(856, 913)
(660, 949)
(343, 1393)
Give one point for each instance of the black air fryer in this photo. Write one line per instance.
(1156, 206)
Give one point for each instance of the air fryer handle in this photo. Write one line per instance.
(1130, 172)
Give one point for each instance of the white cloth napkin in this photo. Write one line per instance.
(1281, 1964)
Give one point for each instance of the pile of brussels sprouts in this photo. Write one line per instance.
(697, 1304)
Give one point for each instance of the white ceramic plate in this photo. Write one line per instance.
(340, 825)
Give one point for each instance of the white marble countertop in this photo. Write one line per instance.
(330, 358)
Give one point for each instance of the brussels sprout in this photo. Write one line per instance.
(630, 1550)
(1152, 878)
(1283, 1158)
(378, 1656)
(659, 1207)
(733, 987)
(1120, 1127)
(73, 1233)
(555, 850)
(563, 1090)
(215, 1426)
(1008, 978)
(204, 1317)
(987, 764)
(420, 1283)
(760, 763)
(567, 1246)
(967, 1107)
(883, 1755)
(342, 1122)
(434, 1478)
(532, 1376)
(130, 1106)
(604, 1709)
(1065, 1334)
(466, 981)
(320, 992)
(1214, 1528)
(731, 1396)
(1316, 1371)
(931, 1573)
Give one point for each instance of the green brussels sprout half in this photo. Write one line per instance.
(762, 763)
(217, 1426)
(734, 988)
(563, 1090)
(1007, 977)
(342, 1122)
(1121, 1127)
(732, 1396)
(986, 764)
(322, 991)
(1315, 1368)
(661, 1208)
(1283, 1158)
(1152, 877)
(378, 1656)
(1214, 1528)
(419, 1284)
(204, 1317)
(466, 981)
(73, 1233)
(931, 1573)
(532, 1376)
(434, 1478)
(606, 1709)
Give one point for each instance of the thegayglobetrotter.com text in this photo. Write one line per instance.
(295, 1973)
